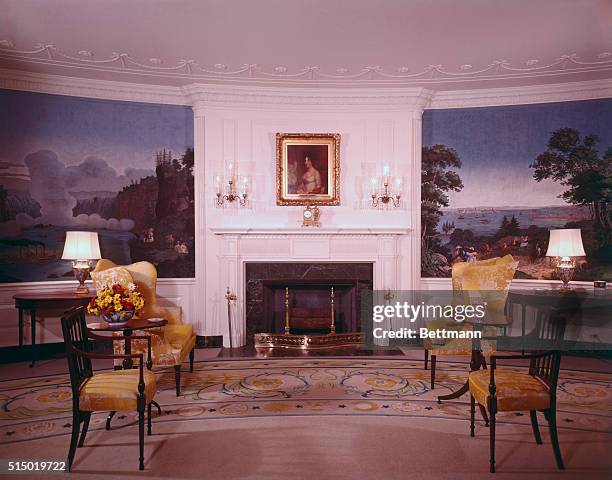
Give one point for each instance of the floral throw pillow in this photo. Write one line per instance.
(111, 276)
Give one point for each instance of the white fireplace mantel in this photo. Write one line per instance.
(311, 231)
(236, 246)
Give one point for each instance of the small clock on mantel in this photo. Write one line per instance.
(310, 216)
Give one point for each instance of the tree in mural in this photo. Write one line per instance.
(508, 227)
(437, 179)
(576, 164)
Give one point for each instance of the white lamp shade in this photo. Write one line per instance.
(565, 242)
(81, 246)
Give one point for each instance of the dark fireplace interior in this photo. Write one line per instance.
(309, 296)
(310, 306)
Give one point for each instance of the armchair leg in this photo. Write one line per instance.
(191, 356)
(154, 403)
(483, 412)
(492, 442)
(141, 439)
(426, 358)
(551, 416)
(177, 379)
(109, 418)
(534, 425)
(472, 414)
(433, 371)
(76, 424)
(86, 418)
(149, 419)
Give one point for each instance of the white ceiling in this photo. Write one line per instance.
(436, 43)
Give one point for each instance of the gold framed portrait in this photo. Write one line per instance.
(308, 169)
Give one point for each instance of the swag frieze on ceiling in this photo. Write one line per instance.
(183, 70)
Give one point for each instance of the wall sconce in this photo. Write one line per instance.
(234, 189)
(386, 191)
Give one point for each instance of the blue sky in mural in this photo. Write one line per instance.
(125, 135)
(497, 144)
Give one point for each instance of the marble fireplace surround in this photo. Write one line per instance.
(309, 286)
(379, 246)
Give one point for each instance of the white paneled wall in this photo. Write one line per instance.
(377, 128)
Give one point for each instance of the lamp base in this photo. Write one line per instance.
(81, 273)
(565, 272)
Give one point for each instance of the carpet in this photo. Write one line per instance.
(40, 407)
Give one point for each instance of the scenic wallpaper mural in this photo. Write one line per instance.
(496, 179)
(124, 170)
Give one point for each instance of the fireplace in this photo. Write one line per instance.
(369, 256)
(309, 296)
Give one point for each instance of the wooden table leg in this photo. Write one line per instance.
(20, 327)
(109, 418)
(33, 330)
(523, 315)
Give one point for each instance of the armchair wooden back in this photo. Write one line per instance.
(550, 331)
(74, 329)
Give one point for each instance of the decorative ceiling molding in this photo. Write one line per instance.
(189, 69)
(89, 88)
(559, 92)
(205, 97)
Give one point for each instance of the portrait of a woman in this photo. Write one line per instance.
(308, 169)
(311, 179)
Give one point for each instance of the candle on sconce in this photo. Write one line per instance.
(218, 184)
(373, 186)
(398, 184)
(385, 173)
(230, 171)
(244, 186)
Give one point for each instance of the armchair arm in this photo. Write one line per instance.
(141, 384)
(528, 356)
(95, 336)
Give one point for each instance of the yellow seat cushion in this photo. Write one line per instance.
(116, 390)
(515, 390)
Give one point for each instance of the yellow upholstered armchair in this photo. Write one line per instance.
(492, 275)
(172, 343)
(132, 389)
(509, 390)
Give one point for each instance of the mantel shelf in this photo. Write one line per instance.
(311, 231)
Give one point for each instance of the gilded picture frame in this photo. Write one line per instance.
(308, 169)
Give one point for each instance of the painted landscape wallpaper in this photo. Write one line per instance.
(124, 170)
(496, 179)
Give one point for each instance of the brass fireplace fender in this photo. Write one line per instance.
(307, 342)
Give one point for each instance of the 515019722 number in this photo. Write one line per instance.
(19, 466)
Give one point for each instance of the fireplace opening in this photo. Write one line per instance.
(309, 287)
(306, 307)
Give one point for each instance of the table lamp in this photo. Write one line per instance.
(565, 243)
(81, 247)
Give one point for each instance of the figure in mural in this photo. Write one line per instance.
(149, 235)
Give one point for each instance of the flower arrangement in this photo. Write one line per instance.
(116, 303)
